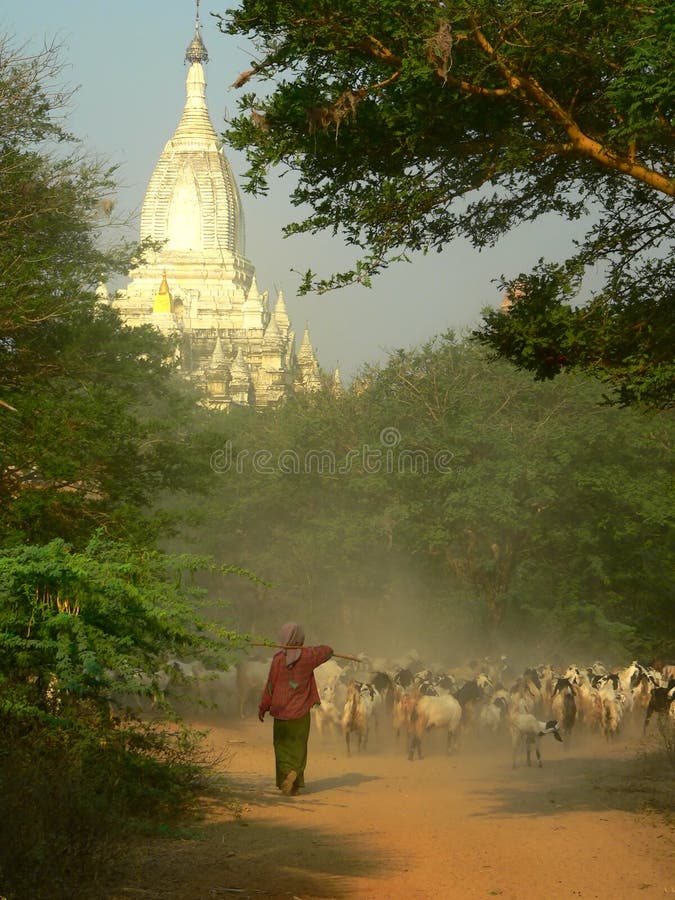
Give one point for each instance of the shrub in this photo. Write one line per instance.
(70, 797)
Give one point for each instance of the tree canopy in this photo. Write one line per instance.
(409, 123)
(452, 499)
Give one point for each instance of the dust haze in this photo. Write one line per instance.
(409, 622)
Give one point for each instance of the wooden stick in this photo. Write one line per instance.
(291, 647)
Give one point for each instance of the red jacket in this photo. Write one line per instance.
(291, 692)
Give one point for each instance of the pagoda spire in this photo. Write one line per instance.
(239, 369)
(309, 368)
(306, 353)
(196, 51)
(192, 203)
(218, 356)
(272, 336)
(281, 313)
(162, 302)
(337, 382)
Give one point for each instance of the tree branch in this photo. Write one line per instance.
(582, 144)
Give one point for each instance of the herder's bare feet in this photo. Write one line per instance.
(288, 783)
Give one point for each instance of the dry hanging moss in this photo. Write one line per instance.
(439, 48)
(321, 117)
(259, 120)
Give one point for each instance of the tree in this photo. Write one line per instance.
(448, 499)
(79, 625)
(550, 511)
(96, 424)
(409, 123)
(286, 504)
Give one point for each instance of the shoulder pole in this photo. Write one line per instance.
(296, 647)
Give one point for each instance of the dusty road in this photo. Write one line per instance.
(596, 821)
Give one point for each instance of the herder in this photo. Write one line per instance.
(289, 694)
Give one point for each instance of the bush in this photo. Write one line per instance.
(71, 797)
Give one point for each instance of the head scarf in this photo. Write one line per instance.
(292, 635)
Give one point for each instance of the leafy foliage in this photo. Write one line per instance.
(95, 426)
(450, 496)
(78, 630)
(407, 124)
(72, 622)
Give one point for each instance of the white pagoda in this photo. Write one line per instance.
(200, 285)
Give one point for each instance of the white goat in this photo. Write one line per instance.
(527, 730)
(327, 715)
(494, 713)
(426, 712)
(613, 705)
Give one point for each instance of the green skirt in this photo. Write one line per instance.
(290, 748)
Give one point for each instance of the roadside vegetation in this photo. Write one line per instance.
(95, 427)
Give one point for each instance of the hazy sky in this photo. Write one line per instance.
(127, 60)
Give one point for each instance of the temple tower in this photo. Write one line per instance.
(200, 284)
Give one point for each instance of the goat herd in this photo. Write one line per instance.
(481, 699)
(488, 699)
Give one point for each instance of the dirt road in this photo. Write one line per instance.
(596, 821)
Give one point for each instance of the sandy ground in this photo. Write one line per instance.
(596, 821)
